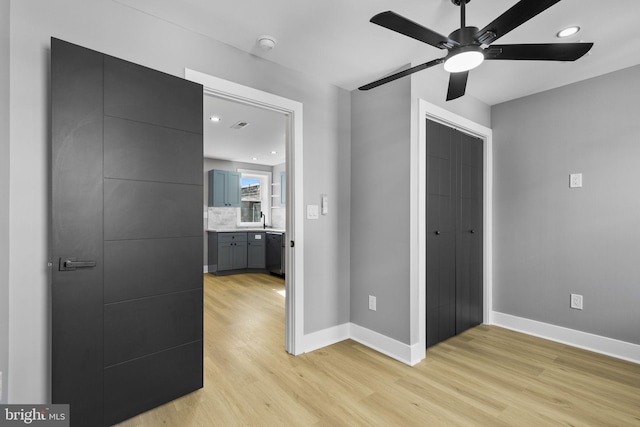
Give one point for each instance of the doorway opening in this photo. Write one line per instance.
(292, 192)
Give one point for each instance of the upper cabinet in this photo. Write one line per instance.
(224, 188)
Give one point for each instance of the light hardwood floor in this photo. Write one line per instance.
(487, 376)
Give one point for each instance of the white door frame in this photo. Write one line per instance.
(426, 110)
(294, 301)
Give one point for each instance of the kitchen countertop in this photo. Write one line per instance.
(244, 230)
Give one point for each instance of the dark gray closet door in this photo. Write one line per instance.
(441, 233)
(454, 232)
(469, 232)
(126, 236)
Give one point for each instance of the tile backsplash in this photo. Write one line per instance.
(222, 218)
(278, 218)
(227, 218)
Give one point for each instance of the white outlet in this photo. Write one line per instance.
(576, 301)
(372, 303)
(575, 180)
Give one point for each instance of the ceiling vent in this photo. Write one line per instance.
(240, 125)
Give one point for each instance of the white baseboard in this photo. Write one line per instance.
(599, 344)
(407, 354)
(400, 351)
(325, 337)
(206, 269)
(413, 354)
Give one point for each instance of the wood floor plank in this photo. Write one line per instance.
(487, 376)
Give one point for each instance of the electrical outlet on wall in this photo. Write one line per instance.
(372, 303)
(575, 180)
(576, 301)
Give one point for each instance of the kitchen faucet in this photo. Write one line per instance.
(264, 220)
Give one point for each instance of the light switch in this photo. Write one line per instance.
(324, 204)
(575, 180)
(312, 212)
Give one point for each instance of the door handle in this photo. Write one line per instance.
(437, 233)
(70, 264)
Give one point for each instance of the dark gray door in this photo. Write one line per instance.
(454, 232)
(468, 232)
(441, 237)
(126, 236)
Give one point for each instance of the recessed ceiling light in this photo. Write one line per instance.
(568, 32)
(215, 119)
(254, 158)
(274, 152)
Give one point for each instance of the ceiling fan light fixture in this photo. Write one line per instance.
(568, 32)
(464, 59)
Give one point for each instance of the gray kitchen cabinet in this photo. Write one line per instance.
(256, 250)
(231, 251)
(224, 188)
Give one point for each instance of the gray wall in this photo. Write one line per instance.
(380, 143)
(4, 196)
(384, 121)
(112, 28)
(550, 240)
(432, 85)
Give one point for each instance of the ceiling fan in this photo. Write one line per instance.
(468, 47)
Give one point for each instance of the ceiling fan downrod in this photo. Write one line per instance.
(463, 12)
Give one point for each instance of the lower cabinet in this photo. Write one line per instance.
(232, 251)
(256, 250)
(236, 252)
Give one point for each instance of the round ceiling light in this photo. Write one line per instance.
(464, 59)
(568, 32)
(215, 119)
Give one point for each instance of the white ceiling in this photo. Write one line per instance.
(254, 143)
(334, 41)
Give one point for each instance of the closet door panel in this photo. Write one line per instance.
(469, 233)
(440, 286)
(454, 232)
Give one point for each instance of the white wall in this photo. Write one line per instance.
(4, 195)
(109, 27)
(550, 240)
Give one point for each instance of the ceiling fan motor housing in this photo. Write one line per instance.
(464, 36)
(457, 2)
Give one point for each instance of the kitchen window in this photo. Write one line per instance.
(255, 198)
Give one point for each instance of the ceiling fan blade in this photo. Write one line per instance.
(538, 52)
(402, 25)
(401, 74)
(457, 85)
(520, 13)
